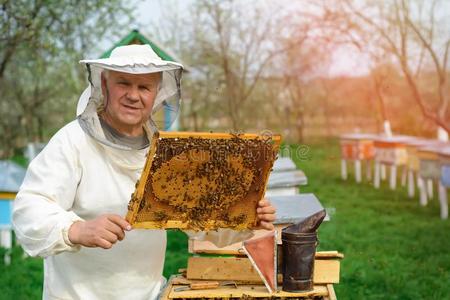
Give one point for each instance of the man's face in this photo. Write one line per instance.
(129, 100)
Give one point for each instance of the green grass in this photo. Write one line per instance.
(394, 248)
(23, 278)
(176, 253)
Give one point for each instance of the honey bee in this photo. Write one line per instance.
(160, 216)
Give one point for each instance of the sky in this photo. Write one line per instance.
(346, 61)
(149, 9)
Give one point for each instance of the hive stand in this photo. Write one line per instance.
(429, 170)
(359, 149)
(413, 164)
(444, 182)
(391, 152)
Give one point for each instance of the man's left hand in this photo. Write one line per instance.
(266, 215)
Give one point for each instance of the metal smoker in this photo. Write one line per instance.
(299, 243)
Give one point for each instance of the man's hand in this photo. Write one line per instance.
(103, 231)
(266, 215)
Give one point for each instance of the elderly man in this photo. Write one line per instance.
(71, 205)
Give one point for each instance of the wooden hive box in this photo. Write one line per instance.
(445, 166)
(357, 146)
(430, 162)
(392, 150)
(412, 150)
(202, 181)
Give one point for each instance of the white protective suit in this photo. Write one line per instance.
(81, 175)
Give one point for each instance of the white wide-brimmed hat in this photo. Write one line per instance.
(133, 59)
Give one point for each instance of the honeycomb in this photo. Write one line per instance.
(203, 181)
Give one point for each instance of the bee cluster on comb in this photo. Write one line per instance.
(203, 181)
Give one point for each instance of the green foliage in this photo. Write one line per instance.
(20, 160)
(41, 43)
(394, 248)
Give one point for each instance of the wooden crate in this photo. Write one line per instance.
(202, 181)
(240, 269)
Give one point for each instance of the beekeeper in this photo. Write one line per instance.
(71, 204)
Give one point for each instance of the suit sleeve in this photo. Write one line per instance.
(42, 211)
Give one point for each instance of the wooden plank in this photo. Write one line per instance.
(240, 269)
(329, 254)
(331, 293)
(136, 197)
(168, 225)
(178, 279)
(187, 134)
(165, 294)
(7, 195)
(207, 247)
(191, 246)
(255, 291)
(222, 268)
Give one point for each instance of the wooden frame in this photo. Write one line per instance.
(174, 180)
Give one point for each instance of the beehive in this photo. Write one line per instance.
(202, 181)
(445, 166)
(357, 146)
(430, 165)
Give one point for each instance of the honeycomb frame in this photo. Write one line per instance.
(202, 181)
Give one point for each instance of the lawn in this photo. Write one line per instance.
(394, 248)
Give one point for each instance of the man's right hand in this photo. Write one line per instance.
(104, 231)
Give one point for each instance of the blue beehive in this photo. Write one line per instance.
(11, 177)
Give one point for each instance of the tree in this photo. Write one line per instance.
(409, 30)
(40, 43)
(229, 49)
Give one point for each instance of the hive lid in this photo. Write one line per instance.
(359, 136)
(202, 181)
(284, 164)
(286, 179)
(295, 208)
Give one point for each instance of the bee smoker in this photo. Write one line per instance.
(299, 243)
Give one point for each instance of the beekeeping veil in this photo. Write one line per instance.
(133, 59)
